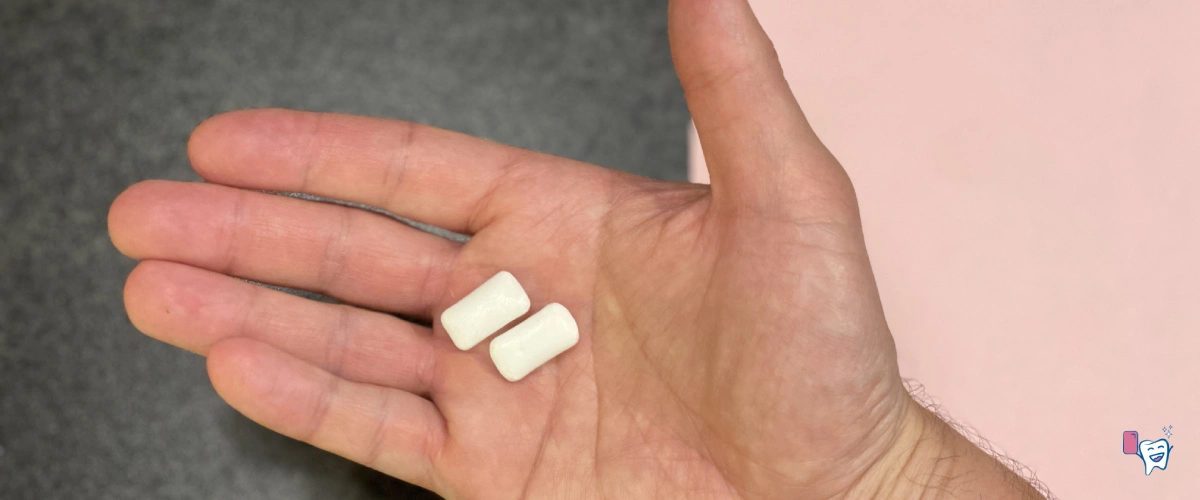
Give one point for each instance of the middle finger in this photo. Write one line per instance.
(353, 255)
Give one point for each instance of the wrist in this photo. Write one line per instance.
(931, 460)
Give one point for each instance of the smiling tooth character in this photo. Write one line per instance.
(1154, 454)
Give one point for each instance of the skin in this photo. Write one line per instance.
(732, 342)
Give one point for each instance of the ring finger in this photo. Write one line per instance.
(196, 309)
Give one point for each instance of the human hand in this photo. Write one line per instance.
(732, 342)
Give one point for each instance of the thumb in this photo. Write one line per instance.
(760, 150)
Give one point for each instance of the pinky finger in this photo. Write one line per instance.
(393, 431)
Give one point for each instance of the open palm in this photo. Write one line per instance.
(731, 339)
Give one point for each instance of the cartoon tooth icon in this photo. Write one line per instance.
(1154, 454)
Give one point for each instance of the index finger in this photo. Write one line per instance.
(416, 171)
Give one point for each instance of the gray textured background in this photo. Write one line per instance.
(97, 95)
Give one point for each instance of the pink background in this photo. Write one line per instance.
(1028, 173)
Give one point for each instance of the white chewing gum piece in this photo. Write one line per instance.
(535, 341)
(485, 310)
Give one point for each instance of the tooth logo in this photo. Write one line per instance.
(1154, 454)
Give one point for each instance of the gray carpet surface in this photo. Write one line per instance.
(97, 95)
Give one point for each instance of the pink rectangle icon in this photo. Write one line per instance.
(1129, 443)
